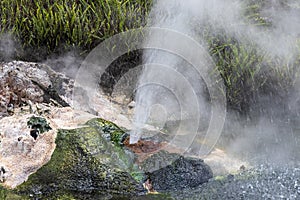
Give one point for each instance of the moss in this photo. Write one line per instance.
(6, 194)
(110, 130)
(39, 123)
(114, 134)
(84, 162)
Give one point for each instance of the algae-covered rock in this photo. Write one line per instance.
(109, 130)
(116, 137)
(85, 163)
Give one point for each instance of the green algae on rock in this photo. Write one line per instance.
(84, 162)
(116, 136)
(109, 130)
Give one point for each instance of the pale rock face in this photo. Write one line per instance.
(20, 154)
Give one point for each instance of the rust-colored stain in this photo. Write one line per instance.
(143, 146)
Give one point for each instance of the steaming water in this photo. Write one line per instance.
(168, 82)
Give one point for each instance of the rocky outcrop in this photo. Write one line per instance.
(81, 160)
(20, 154)
(84, 162)
(49, 150)
(23, 83)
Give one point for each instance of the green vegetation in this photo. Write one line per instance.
(112, 133)
(39, 123)
(46, 27)
(52, 25)
(249, 72)
(110, 130)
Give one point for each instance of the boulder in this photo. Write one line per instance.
(67, 157)
(172, 172)
(83, 163)
(51, 151)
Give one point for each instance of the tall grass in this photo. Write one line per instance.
(249, 73)
(53, 24)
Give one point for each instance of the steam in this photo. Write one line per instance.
(8, 47)
(170, 81)
(284, 33)
(279, 42)
(67, 63)
(163, 89)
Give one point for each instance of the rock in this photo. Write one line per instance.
(173, 172)
(261, 182)
(83, 162)
(109, 130)
(131, 105)
(26, 83)
(20, 154)
(82, 158)
(223, 163)
(3, 173)
(38, 126)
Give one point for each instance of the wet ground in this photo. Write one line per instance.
(264, 182)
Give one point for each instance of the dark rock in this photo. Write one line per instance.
(261, 182)
(179, 173)
(158, 161)
(230, 177)
(51, 93)
(2, 174)
(34, 133)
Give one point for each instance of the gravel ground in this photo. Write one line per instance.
(263, 182)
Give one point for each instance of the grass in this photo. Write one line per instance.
(52, 25)
(48, 26)
(239, 66)
(249, 72)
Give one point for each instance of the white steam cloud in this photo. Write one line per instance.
(279, 41)
(8, 47)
